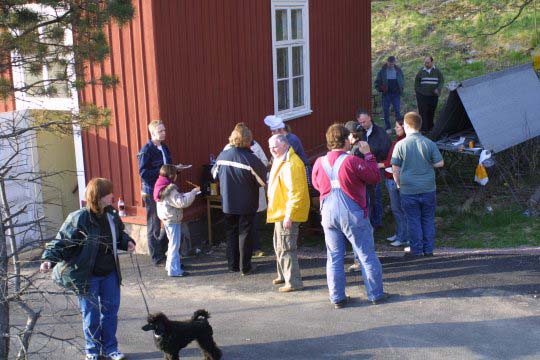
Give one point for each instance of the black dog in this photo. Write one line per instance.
(172, 336)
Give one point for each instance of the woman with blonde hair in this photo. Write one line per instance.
(170, 202)
(84, 258)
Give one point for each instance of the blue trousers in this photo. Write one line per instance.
(397, 211)
(419, 212)
(99, 309)
(343, 220)
(394, 100)
(173, 266)
(157, 237)
(375, 204)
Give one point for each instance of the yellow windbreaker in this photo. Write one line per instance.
(288, 190)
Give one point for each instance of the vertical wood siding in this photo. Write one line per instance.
(112, 152)
(211, 67)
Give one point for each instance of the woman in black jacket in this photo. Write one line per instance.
(85, 260)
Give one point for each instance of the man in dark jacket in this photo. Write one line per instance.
(390, 83)
(240, 175)
(153, 154)
(428, 85)
(379, 144)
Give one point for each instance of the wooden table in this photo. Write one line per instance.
(212, 202)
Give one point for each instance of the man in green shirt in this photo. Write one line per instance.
(413, 162)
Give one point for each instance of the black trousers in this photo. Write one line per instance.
(426, 108)
(157, 238)
(239, 241)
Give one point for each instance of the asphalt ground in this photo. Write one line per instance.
(456, 305)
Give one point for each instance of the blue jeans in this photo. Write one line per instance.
(99, 309)
(157, 237)
(173, 264)
(397, 211)
(343, 220)
(387, 100)
(375, 205)
(420, 215)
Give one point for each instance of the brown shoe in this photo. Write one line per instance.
(285, 289)
(278, 281)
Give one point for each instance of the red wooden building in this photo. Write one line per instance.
(203, 65)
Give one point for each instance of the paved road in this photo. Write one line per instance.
(451, 306)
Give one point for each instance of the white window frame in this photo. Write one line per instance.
(291, 112)
(23, 100)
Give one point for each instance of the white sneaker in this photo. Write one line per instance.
(407, 249)
(92, 357)
(392, 238)
(397, 243)
(116, 355)
(354, 268)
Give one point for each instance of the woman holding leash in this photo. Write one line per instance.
(84, 258)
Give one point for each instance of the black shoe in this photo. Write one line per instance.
(234, 270)
(185, 273)
(428, 254)
(411, 256)
(250, 271)
(341, 304)
(160, 262)
(381, 300)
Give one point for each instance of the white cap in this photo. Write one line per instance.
(274, 122)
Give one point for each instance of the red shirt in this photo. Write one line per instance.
(353, 176)
(389, 158)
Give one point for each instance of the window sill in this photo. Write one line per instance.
(295, 114)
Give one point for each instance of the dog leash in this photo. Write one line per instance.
(140, 280)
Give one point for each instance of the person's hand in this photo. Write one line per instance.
(380, 165)
(196, 189)
(437, 92)
(287, 223)
(131, 246)
(45, 267)
(363, 146)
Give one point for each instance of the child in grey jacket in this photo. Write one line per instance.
(170, 202)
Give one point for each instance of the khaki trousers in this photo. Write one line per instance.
(285, 246)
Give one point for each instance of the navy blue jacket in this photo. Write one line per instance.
(240, 175)
(150, 161)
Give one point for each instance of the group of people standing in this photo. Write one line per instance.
(84, 254)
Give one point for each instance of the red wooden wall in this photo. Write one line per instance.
(204, 65)
(9, 103)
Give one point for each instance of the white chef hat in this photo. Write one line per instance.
(274, 122)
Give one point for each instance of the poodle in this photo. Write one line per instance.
(172, 336)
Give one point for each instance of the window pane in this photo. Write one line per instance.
(298, 60)
(33, 73)
(296, 24)
(58, 71)
(298, 91)
(283, 95)
(281, 25)
(282, 63)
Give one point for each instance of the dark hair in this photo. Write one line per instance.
(430, 57)
(361, 111)
(413, 119)
(95, 190)
(336, 135)
(391, 59)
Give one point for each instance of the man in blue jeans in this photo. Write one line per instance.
(389, 83)
(413, 162)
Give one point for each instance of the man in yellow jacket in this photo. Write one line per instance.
(288, 206)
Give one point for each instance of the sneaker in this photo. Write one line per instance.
(259, 253)
(116, 355)
(392, 238)
(341, 304)
(407, 249)
(92, 357)
(285, 289)
(354, 268)
(278, 281)
(184, 274)
(251, 270)
(397, 243)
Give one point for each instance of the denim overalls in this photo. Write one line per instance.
(343, 219)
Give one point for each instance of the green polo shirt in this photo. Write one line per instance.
(415, 155)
